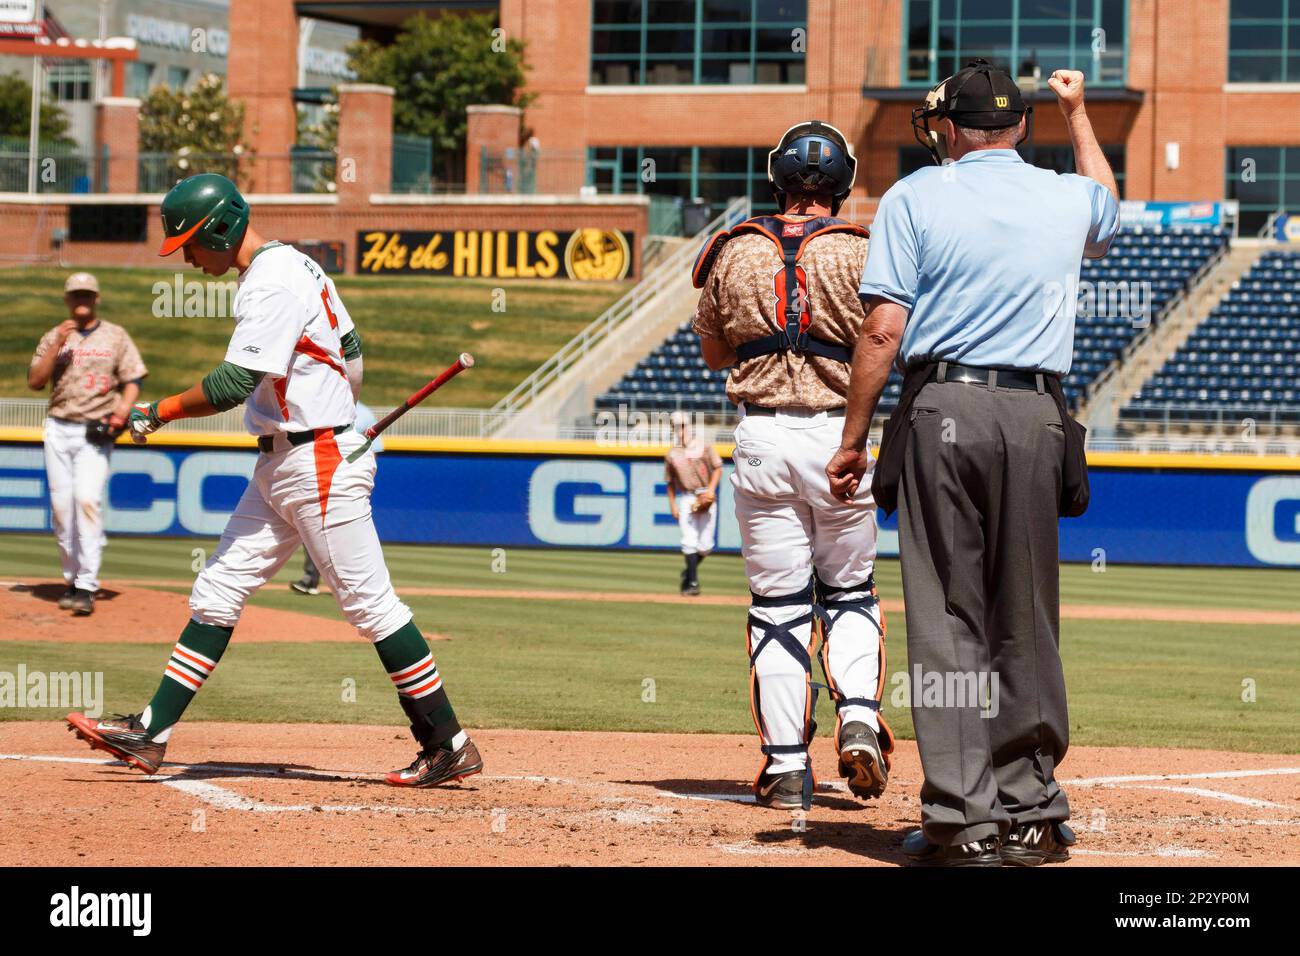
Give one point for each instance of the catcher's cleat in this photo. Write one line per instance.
(123, 737)
(306, 586)
(65, 599)
(83, 603)
(439, 766)
(781, 791)
(861, 761)
(1032, 844)
(921, 852)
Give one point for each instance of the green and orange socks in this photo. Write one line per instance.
(193, 659)
(406, 658)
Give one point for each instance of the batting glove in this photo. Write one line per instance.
(144, 421)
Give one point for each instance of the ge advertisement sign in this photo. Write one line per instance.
(595, 501)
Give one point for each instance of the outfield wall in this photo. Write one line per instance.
(1148, 509)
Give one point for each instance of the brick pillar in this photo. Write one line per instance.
(365, 163)
(495, 128)
(117, 129)
(261, 70)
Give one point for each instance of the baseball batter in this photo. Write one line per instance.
(94, 371)
(779, 304)
(692, 470)
(294, 361)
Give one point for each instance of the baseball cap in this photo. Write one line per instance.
(81, 282)
(981, 96)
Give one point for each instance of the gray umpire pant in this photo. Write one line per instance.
(978, 538)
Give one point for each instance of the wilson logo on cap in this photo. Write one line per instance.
(1001, 102)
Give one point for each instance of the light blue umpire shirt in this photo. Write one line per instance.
(984, 253)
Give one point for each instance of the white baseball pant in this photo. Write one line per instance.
(699, 529)
(311, 495)
(77, 472)
(789, 523)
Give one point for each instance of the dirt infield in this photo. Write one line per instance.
(131, 590)
(292, 794)
(133, 615)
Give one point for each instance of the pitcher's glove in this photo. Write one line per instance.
(704, 501)
(144, 421)
(104, 432)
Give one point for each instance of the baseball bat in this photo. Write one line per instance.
(464, 361)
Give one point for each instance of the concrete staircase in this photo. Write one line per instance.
(1149, 351)
(567, 385)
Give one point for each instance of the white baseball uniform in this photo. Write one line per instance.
(289, 324)
(790, 524)
(89, 372)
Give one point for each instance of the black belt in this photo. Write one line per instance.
(990, 377)
(266, 443)
(752, 409)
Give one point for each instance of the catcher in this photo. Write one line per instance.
(779, 305)
(692, 470)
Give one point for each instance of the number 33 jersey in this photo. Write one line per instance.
(90, 371)
(289, 323)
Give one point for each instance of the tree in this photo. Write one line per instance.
(318, 131)
(439, 66)
(16, 113)
(195, 130)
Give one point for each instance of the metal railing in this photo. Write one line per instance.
(652, 286)
(60, 167)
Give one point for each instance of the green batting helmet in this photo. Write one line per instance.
(206, 209)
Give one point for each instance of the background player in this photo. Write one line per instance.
(295, 361)
(692, 470)
(780, 305)
(94, 371)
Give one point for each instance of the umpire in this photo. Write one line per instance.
(972, 268)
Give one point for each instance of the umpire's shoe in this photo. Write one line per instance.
(861, 760)
(1032, 844)
(438, 766)
(921, 852)
(123, 737)
(780, 791)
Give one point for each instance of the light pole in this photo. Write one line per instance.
(34, 136)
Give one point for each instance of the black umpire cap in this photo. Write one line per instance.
(980, 96)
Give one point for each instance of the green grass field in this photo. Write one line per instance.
(581, 665)
(411, 328)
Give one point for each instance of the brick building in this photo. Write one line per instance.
(1183, 92)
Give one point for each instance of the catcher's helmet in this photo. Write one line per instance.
(206, 209)
(812, 157)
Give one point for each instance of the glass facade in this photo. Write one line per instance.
(1021, 36)
(715, 174)
(69, 81)
(1264, 41)
(1057, 158)
(1264, 179)
(676, 42)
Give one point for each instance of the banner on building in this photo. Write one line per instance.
(1173, 516)
(1137, 213)
(587, 254)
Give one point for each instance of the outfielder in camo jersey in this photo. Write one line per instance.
(295, 362)
(809, 557)
(692, 470)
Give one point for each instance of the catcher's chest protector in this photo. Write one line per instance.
(790, 283)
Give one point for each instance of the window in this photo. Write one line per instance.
(675, 42)
(139, 79)
(69, 81)
(1264, 41)
(715, 174)
(1058, 158)
(1264, 179)
(177, 77)
(1024, 37)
